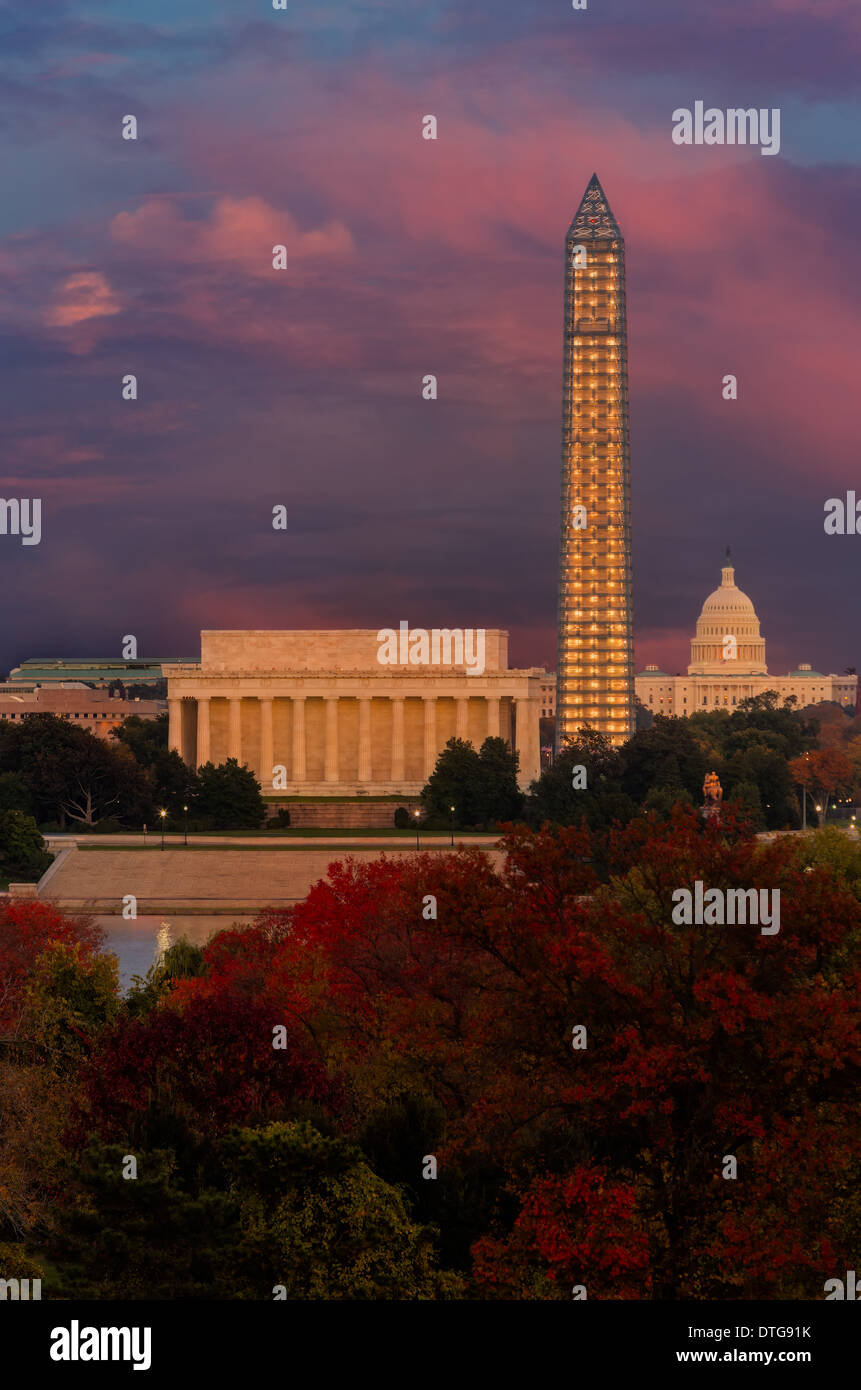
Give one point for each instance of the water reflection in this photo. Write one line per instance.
(163, 941)
(142, 943)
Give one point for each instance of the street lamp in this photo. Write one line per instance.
(185, 813)
(417, 813)
(451, 811)
(163, 814)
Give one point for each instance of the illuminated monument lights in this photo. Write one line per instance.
(595, 669)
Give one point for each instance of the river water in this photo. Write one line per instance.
(139, 944)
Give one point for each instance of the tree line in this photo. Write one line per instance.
(55, 776)
(763, 753)
(451, 1077)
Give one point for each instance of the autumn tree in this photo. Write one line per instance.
(579, 1039)
(316, 1222)
(27, 929)
(45, 1015)
(824, 772)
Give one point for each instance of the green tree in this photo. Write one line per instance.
(277, 1205)
(15, 795)
(22, 849)
(497, 772)
(317, 1220)
(747, 795)
(157, 1236)
(455, 781)
(146, 739)
(667, 755)
(560, 797)
(181, 961)
(831, 848)
(762, 712)
(42, 736)
(78, 777)
(661, 800)
(69, 998)
(228, 797)
(761, 765)
(174, 783)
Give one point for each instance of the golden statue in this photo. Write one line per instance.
(712, 791)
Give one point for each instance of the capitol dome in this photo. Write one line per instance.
(728, 640)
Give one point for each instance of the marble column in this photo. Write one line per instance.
(397, 773)
(298, 769)
(430, 733)
(234, 728)
(364, 738)
(203, 739)
(267, 752)
(462, 717)
(174, 708)
(331, 767)
(493, 716)
(526, 733)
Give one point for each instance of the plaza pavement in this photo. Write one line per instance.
(190, 880)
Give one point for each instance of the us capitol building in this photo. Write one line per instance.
(728, 664)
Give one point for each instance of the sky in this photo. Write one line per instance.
(407, 257)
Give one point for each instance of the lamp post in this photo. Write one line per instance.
(417, 813)
(451, 811)
(804, 796)
(185, 813)
(163, 815)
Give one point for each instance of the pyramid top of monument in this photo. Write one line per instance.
(594, 217)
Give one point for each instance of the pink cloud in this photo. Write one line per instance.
(239, 231)
(83, 296)
(489, 189)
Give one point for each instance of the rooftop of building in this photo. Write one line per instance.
(594, 217)
(124, 663)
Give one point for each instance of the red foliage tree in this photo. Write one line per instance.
(703, 1041)
(27, 928)
(206, 1057)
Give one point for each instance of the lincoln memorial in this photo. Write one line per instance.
(317, 712)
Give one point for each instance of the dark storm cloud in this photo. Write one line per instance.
(408, 257)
